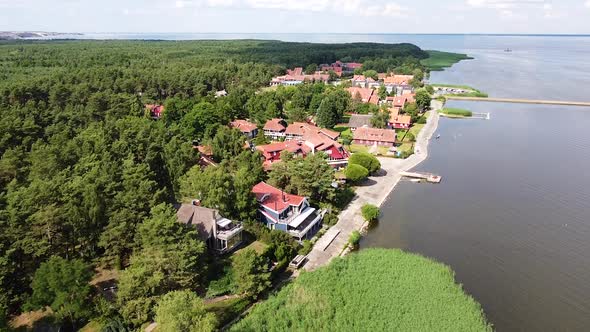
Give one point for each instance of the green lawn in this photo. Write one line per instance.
(258, 246)
(227, 310)
(381, 150)
(440, 60)
(372, 290)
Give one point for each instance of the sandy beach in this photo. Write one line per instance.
(375, 191)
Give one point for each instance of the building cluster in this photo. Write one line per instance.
(341, 68)
(297, 76)
(394, 84)
(301, 139)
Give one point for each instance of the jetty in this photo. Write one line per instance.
(429, 177)
(522, 101)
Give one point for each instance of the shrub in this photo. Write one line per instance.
(367, 160)
(354, 238)
(330, 219)
(370, 212)
(421, 120)
(356, 173)
(305, 248)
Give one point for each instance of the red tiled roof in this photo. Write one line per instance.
(302, 129)
(365, 93)
(243, 125)
(396, 118)
(398, 79)
(274, 125)
(274, 198)
(205, 150)
(374, 134)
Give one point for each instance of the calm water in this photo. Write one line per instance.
(512, 216)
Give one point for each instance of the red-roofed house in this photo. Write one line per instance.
(374, 136)
(247, 128)
(298, 130)
(296, 76)
(366, 95)
(275, 128)
(286, 212)
(400, 83)
(398, 121)
(156, 111)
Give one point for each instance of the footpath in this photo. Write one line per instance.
(373, 191)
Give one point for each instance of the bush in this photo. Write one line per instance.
(366, 160)
(421, 120)
(330, 219)
(354, 238)
(370, 212)
(356, 173)
(305, 248)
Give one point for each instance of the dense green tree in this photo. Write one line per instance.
(227, 143)
(332, 108)
(423, 99)
(63, 285)
(250, 274)
(382, 92)
(371, 74)
(356, 173)
(311, 68)
(380, 119)
(367, 160)
(183, 311)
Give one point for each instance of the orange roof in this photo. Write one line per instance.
(205, 150)
(275, 199)
(398, 79)
(303, 129)
(365, 93)
(243, 125)
(374, 134)
(274, 125)
(292, 146)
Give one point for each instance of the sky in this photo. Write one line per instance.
(298, 16)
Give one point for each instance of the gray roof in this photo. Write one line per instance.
(360, 120)
(202, 218)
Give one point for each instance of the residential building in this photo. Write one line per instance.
(364, 82)
(341, 67)
(272, 152)
(401, 84)
(156, 111)
(286, 212)
(297, 130)
(275, 129)
(249, 129)
(366, 95)
(374, 136)
(205, 156)
(296, 76)
(398, 121)
(220, 234)
(360, 120)
(401, 101)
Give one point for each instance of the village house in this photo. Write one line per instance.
(400, 84)
(366, 95)
(360, 120)
(306, 139)
(297, 130)
(205, 156)
(155, 111)
(398, 121)
(374, 136)
(220, 234)
(286, 212)
(364, 82)
(249, 129)
(341, 67)
(275, 129)
(296, 76)
(400, 101)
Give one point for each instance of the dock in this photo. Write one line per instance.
(522, 101)
(429, 177)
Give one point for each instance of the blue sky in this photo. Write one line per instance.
(291, 16)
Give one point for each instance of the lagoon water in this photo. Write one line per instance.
(512, 215)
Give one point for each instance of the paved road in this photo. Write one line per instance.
(374, 191)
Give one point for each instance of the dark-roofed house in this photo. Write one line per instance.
(286, 212)
(220, 234)
(360, 120)
(374, 136)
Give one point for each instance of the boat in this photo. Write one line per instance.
(438, 136)
(507, 50)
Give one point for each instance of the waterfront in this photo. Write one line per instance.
(512, 216)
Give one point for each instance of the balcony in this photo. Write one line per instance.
(229, 232)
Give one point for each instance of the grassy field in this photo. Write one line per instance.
(455, 112)
(440, 60)
(381, 150)
(372, 290)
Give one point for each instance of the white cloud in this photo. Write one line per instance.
(350, 7)
(587, 4)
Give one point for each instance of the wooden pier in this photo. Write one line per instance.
(521, 101)
(429, 177)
